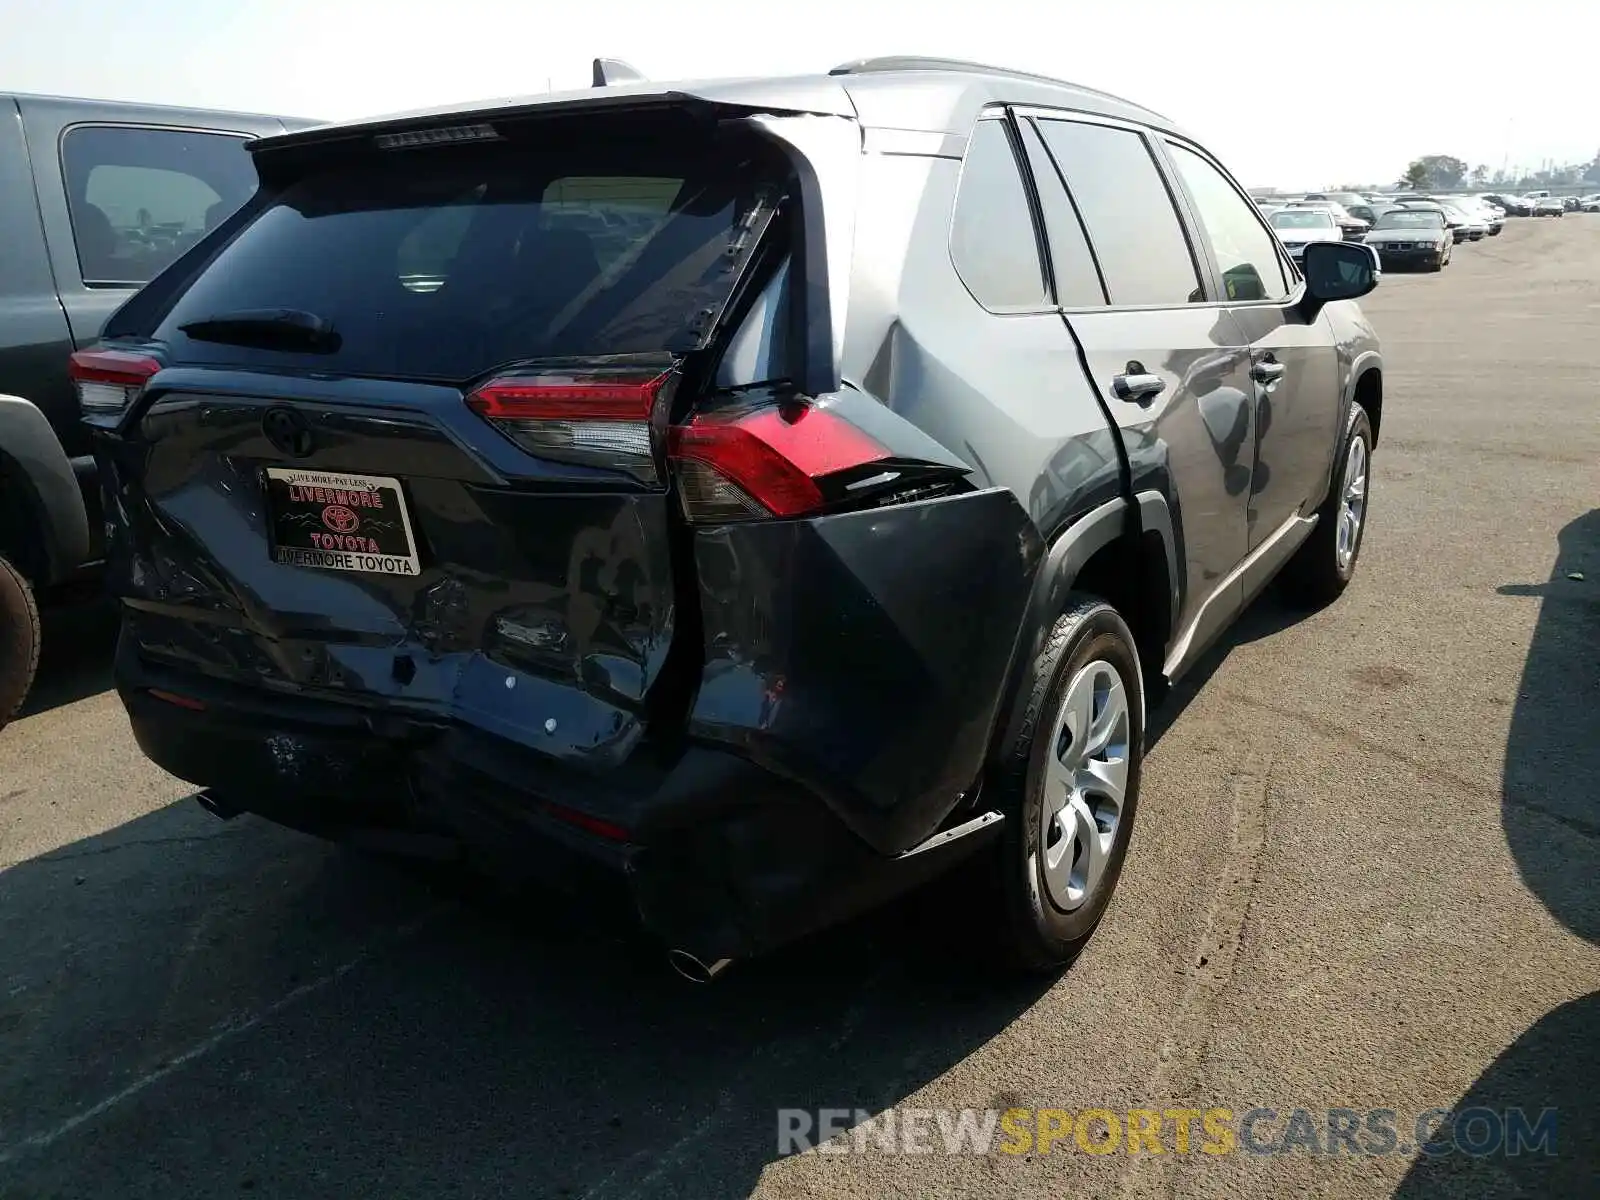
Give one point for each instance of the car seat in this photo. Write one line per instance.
(97, 242)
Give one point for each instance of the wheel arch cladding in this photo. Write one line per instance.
(1119, 555)
(1368, 392)
(21, 523)
(42, 517)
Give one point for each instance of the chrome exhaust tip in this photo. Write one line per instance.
(695, 970)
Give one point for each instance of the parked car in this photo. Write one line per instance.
(1591, 203)
(1412, 237)
(764, 563)
(1492, 215)
(1299, 227)
(1351, 227)
(95, 199)
(1363, 212)
(1549, 206)
(1343, 199)
(1474, 225)
(1515, 206)
(1454, 219)
(1571, 203)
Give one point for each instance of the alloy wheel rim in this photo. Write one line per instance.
(1085, 785)
(1353, 505)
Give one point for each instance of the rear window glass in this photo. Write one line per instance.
(443, 265)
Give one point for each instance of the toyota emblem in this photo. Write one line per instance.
(288, 431)
(340, 519)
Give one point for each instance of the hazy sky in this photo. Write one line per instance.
(1297, 93)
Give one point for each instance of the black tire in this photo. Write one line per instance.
(1035, 934)
(1314, 577)
(19, 640)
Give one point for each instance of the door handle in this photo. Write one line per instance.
(1268, 370)
(1138, 386)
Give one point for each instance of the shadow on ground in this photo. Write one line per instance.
(1267, 615)
(75, 659)
(254, 1010)
(1551, 816)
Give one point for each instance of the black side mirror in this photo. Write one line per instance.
(1338, 270)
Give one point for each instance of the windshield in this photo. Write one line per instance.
(1303, 218)
(443, 266)
(1411, 218)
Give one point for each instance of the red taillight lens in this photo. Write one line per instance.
(592, 420)
(107, 381)
(764, 462)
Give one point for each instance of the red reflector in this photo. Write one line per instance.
(188, 702)
(776, 456)
(567, 399)
(112, 366)
(594, 825)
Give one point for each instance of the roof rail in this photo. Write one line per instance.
(911, 62)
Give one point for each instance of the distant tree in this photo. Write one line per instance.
(1416, 175)
(1443, 171)
(1480, 175)
(1592, 175)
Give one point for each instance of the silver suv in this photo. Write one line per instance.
(751, 499)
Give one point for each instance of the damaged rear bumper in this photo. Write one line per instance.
(712, 853)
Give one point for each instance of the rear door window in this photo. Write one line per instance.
(446, 265)
(1077, 277)
(992, 239)
(140, 197)
(1132, 223)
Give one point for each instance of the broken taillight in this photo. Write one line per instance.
(766, 461)
(107, 381)
(601, 420)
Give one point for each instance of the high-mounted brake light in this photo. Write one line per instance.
(446, 136)
(599, 419)
(764, 462)
(107, 381)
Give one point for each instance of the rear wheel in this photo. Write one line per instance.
(19, 640)
(1326, 562)
(1071, 788)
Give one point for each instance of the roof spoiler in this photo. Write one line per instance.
(613, 70)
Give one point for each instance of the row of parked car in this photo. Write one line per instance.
(1406, 230)
(1543, 204)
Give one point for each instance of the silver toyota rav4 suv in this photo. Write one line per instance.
(748, 499)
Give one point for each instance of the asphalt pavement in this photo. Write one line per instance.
(1366, 875)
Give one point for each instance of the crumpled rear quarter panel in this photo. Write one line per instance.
(864, 653)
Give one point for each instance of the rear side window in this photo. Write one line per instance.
(140, 197)
(446, 264)
(1137, 236)
(1246, 254)
(992, 240)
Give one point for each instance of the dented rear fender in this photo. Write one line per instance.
(864, 654)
